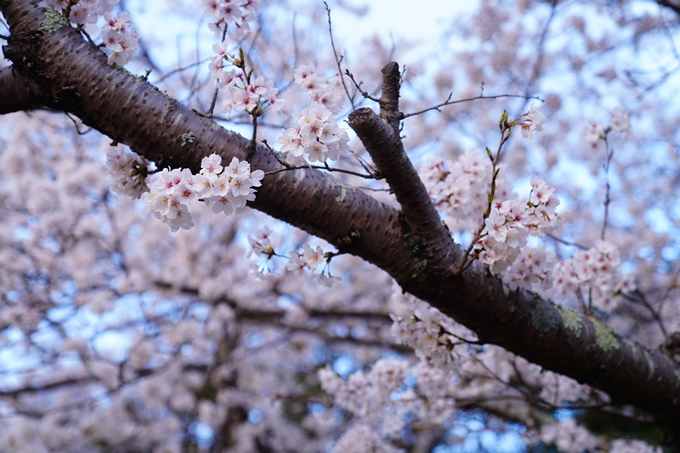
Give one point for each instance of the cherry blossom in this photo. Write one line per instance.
(171, 192)
(533, 121)
(220, 333)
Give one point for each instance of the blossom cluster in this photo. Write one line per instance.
(384, 402)
(319, 88)
(251, 96)
(595, 133)
(459, 188)
(558, 389)
(128, 170)
(84, 11)
(317, 137)
(531, 269)
(308, 260)
(260, 244)
(596, 272)
(360, 438)
(569, 437)
(365, 393)
(592, 135)
(229, 68)
(510, 222)
(632, 446)
(231, 12)
(432, 334)
(119, 35)
(224, 188)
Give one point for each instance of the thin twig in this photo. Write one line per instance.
(565, 242)
(579, 297)
(458, 101)
(671, 286)
(338, 59)
(368, 167)
(75, 123)
(81, 29)
(641, 298)
(210, 111)
(183, 68)
(289, 167)
(324, 167)
(242, 118)
(253, 141)
(358, 87)
(609, 153)
(540, 51)
(296, 54)
(505, 136)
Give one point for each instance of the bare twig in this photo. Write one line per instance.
(458, 101)
(366, 166)
(338, 59)
(183, 68)
(358, 87)
(565, 242)
(536, 73)
(673, 284)
(253, 141)
(289, 167)
(75, 123)
(210, 111)
(607, 199)
(640, 297)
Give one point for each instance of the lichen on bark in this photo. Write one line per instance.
(604, 336)
(571, 320)
(53, 21)
(541, 318)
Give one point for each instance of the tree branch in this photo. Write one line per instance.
(428, 237)
(17, 92)
(127, 108)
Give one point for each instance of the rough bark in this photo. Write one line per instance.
(18, 93)
(410, 244)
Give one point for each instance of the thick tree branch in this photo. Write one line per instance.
(130, 110)
(672, 4)
(17, 92)
(421, 220)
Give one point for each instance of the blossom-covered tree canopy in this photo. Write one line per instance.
(221, 230)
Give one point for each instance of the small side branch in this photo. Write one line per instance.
(384, 145)
(389, 101)
(459, 101)
(431, 242)
(357, 86)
